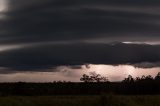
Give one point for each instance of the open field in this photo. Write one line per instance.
(49, 89)
(103, 100)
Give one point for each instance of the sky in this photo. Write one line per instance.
(46, 40)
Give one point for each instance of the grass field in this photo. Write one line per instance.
(103, 100)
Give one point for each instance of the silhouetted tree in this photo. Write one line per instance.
(129, 79)
(104, 79)
(149, 78)
(93, 77)
(143, 77)
(86, 78)
(137, 79)
(158, 77)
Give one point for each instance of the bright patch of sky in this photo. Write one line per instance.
(66, 73)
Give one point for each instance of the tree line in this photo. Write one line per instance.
(92, 84)
(93, 77)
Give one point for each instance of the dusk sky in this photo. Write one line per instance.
(47, 40)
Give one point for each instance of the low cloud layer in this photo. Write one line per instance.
(50, 55)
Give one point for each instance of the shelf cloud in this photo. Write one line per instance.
(50, 33)
(47, 56)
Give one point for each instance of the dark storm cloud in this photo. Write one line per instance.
(47, 56)
(147, 64)
(46, 31)
(52, 20)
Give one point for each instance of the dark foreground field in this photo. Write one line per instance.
(140, 92)
(103, 100)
